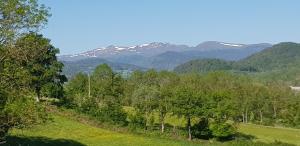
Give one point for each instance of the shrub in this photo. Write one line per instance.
(20, 113)
(24, 112)
(136, 121)
(3, 117)
(201, 129)
(222, 131)
(113, 114)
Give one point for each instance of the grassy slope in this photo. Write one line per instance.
(271, 134)
(64, 129)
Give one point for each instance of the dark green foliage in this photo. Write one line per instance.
(77, 91)
(278, 63)
(53, 90)
(203, 65)
(98, 95)
(4, 125)
(17, 17)
(24, 112)
(146, 101)
(201, 129)
(280, 56)
(222, 131)
(217, 100)
(39, 60)
(110, 113)
(137, 121)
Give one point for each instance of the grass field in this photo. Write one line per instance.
(271, 134)
(64, 130)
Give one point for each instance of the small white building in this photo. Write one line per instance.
(295, 88)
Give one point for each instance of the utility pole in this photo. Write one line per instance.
(89, 84)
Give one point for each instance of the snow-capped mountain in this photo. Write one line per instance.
(147, 50)
(165, 55)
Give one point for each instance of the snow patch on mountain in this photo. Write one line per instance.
(232, 45)
(144, 45)
(132, 47)
(120, 48)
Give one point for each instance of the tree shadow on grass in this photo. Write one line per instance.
(242, 136)
(39, 141)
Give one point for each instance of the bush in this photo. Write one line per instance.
(25, 112)
(3, 117)
(201, 129)
(3, 126)
(20, 113)
(222, 131)
(113, 114)
(136, 121)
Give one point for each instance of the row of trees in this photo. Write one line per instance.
(28, 65)
(211, 104)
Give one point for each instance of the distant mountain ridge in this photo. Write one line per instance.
(279, 62)
(112, 50)
(165, 56)
(156, 48)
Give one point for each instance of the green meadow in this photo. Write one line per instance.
(64, 129)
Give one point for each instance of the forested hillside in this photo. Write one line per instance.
(204, 65)
(280, 62)
(279, 57)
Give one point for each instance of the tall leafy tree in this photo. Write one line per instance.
(188, 100)
(77, 90)
(16, 17)
(40, 61)
(106, 93)
(146, 101)
(167, 82)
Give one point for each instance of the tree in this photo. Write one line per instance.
(39, 59)
(188, 101)
(145, 101)
(105, 82)
(106, 92)
(167, 82)
(19, 16)
(77, 90)
(16, 17)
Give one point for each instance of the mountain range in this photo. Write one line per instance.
(158, 55)
(279, 62)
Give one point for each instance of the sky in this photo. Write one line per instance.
(80, 25)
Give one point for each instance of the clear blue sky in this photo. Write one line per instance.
(80, 25)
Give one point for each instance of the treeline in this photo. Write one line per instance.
(211, 104)
(28, 65)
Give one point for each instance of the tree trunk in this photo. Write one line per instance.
(189, 127)
(243, 117)
(162, 127)
(274, 110)
(146, 118)
(261, 116)
(174, 129)
(38, 93)
(162, 121)
(246, 116)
